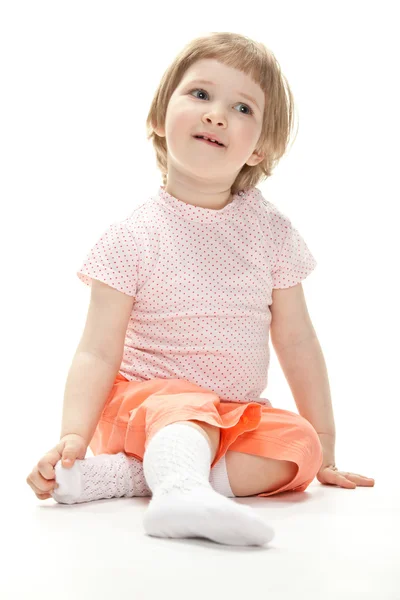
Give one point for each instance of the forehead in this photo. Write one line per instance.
(207, 68)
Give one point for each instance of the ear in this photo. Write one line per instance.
(160, 131)
(255, 158)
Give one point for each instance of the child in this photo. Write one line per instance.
(183, 420)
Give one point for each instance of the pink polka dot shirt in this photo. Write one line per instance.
(202, 283)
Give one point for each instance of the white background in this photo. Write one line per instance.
(77, 82)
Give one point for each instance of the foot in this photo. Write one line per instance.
(204, 513)
(98, 477)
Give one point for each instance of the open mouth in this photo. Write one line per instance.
(216, 144)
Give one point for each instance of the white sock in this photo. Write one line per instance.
(219, 479)
(176, 465)
(115, 476)
(101, 476)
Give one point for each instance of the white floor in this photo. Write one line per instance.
(330, 543)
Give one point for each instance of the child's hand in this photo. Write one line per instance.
(42, 478)
(329, 475)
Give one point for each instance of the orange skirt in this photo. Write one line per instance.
(135, 411)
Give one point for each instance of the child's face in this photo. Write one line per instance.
(219, 109)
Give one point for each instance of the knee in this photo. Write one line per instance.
(313, 442)
(312, 445)
(210, 432)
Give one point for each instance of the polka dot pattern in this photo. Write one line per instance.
(202, 280)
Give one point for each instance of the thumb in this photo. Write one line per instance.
(68, 456)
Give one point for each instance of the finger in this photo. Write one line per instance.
(70, 454)
(43, 496)
(360, 479)
(47, 463)
(45, 489)
(42, 484)
(364, 478)
(68, 459)
(342, 480)
(40, 492)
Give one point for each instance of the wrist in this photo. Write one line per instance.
(328, 441)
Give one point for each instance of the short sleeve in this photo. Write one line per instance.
(294, 261)
(113, 260)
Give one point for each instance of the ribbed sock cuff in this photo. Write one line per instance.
(219, 479)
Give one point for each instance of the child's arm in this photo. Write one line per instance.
(96, 361)
(290, 321)
(300, 356)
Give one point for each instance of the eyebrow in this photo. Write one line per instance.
(240, 93)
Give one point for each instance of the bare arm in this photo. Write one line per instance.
(97, 360)
(88, 385)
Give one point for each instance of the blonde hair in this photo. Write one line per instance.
(249, 57)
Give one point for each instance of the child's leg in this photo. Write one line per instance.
(116, 476)
(249, 474)
(177, 465)
(210, 432)
(99, 477)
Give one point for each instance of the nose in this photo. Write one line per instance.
(217, 122)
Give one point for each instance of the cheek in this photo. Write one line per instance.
(249, 135)
(181, 120)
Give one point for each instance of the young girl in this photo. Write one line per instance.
(165, 384)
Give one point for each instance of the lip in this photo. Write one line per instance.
(212, 136)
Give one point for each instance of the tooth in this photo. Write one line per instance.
(203, 137)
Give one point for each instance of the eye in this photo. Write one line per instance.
(204, 92)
